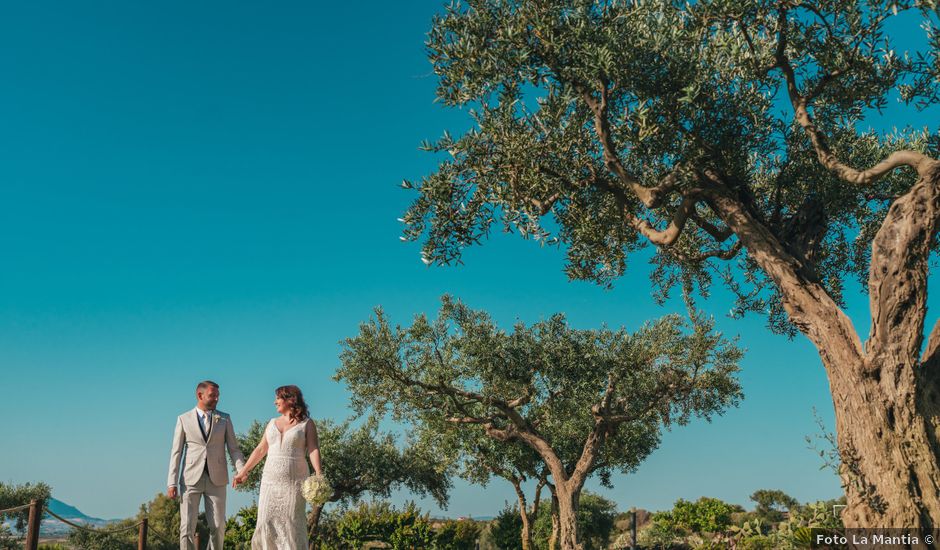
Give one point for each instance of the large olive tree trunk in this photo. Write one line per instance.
(885, 394)
(886, 411)
(568, 499)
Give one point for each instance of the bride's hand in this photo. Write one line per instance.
(240, 478)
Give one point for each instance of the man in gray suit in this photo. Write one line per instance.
(199, 441)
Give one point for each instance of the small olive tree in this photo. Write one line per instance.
(586, 401)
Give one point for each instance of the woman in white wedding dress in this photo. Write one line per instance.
(288, 441)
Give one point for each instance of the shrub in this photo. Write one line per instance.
(757, 542)
(796, 532)
(506, 530)
(661, 532)
(381, 521)
(596, 520)
(240, 528)
(705, 515)
(457, 535)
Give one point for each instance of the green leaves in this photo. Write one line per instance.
(461, 373)
(12, 496)
(705, 515)
(698, 86)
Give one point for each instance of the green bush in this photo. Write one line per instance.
(661, 533)
(240, 527)
(382, 522)
(795, 533)
(457, 535)
(705, 515)
(596, 519)
(506, 530)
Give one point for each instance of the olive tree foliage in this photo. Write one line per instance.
(588, 402)
(730, 135)
(609, 118)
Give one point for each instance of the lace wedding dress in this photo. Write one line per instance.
(282, 523)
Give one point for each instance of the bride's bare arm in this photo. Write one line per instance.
(313, 446)
(260, 451)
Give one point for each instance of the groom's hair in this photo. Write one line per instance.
(206, 384)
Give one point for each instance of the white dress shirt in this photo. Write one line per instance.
(205, 418)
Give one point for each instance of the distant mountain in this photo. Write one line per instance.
(52, 527)
(70, 512)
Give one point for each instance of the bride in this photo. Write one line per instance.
(288, 441)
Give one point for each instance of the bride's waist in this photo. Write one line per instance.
(286, 457)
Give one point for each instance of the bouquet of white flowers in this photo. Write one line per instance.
(317, 490)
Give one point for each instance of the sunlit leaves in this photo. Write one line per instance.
(461, 372)
(695, 84)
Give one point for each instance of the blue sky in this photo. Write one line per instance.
(210, 190)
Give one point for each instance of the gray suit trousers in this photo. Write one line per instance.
(215, 513)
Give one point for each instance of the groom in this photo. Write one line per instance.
(202, 435)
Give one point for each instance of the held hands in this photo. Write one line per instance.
(240, 477)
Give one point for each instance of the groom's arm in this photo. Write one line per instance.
(234, 451)
(176, 453)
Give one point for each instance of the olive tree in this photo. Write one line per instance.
(730, 137)
(586, 401)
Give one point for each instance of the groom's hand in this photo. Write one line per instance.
(171, 491)
(239, 479)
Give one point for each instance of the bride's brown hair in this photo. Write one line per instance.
(294, 399)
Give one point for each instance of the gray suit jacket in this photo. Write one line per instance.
(197, 453)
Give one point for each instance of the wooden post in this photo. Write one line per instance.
(633, 529)
(32, 529)
(142, 535)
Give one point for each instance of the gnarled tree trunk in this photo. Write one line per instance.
(886, 411)
(568, 498)
(885, 394)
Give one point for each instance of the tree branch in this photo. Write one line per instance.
(719, 234)
(652, 197)
(824, 154)
(467, 420)
(720, 253)
(807, 303)
(671, 233)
